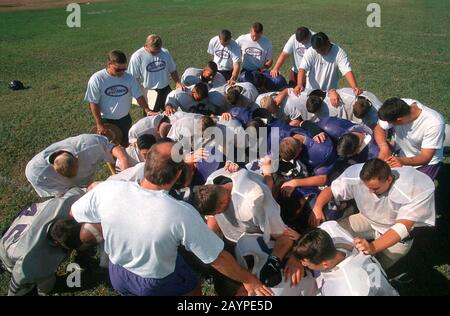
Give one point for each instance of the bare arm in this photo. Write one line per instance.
(267, 65)
(119, 153)
(425, 156)
(388, 239)
(380, 138)
(301, 77)
(227, 265)
(276, 69)
(235, 73)
(176, 78)
(350, 77)
(280, 97)
(143, 104)
(282, 246)
(95, 110)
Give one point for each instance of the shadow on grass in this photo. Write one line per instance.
(427, 264)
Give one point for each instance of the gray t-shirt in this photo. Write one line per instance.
(90, 150)
(112, 94)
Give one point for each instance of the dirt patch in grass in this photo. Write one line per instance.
(15, 5)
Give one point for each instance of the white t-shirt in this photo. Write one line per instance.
(133, 174)
(143, 228)
(249, 93)
(427, 131)
(322, 71)
(146, 125)
(181, 100)
(348, 99)
(152, 71)
(357, 275)
(411, 197)
(224, 57)
(187, 128)
(327, 110)
(296, 50)
(112, 94)
(192, 76)
(295, 106)
(254, 54)
(89, 148)
(259, 250)
(292, 106)
(252, 208)
(255, 247)
(133, 155)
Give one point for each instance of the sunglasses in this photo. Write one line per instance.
(120, 69)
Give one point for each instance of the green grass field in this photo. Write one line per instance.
(409, 56)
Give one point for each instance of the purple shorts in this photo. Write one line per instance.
(180, 282)
(431, 170)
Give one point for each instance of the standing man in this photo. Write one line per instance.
(257, 57)
(296, 46)
(143, 227)
(390, 203)
(70, 163)
(320, 68)
(418, 135)
(151, 66)
(109, 93)
(227, 55)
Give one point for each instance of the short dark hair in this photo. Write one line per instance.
(319, 40)
(392, 109)
(347, 145)
(160, 168)
(206, 198)
(302, 33)
(375, 169)
(233, 94)
(207, 121)
(361, 107)
(213, 66)
(145, 141)
(117, 57)
(259, 80)
(202, 90)
(257, 27)
(313, 103)
(66, 233)
(225, 35)
(289, 148)
(315, 246)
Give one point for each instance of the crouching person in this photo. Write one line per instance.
(39, 239)
(344, 271)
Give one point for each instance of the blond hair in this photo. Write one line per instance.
(153, 41)
(65, 165)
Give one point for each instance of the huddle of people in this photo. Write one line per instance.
(330, 204)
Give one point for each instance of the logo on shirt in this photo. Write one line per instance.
(254, 51)
(300, 51)
(223, 54)
(116, 91)
(156, 66)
